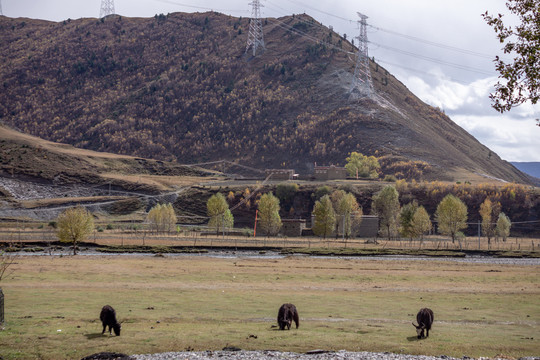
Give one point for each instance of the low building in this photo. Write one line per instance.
(369, 227)
(292, 227)
(331, 172)
(279, 174)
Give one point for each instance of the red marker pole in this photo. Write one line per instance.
(255, 228)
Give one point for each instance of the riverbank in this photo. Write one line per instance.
(92, 248)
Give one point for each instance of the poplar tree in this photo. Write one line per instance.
(386, 206)
(74, 225)
(503, 226)
(219, 213)
(451, 216)
(420, 223)
(325, 217)
(269, 219)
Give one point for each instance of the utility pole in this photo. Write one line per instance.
(362, 75)
(255, 35)
(107, 8)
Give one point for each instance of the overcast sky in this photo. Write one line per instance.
(441, 50)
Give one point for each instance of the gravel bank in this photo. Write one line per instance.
(275, 355)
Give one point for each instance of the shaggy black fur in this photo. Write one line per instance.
(108, 318)
(425, 320)
(286, 314)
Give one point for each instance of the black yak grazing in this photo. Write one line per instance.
(424, 319)
(286, 314)
(108, 318)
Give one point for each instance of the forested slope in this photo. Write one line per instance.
(181, 87)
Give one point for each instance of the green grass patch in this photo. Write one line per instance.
(159, 249)
(169, 303)
(372, 252)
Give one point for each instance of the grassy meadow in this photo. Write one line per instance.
(175, 303)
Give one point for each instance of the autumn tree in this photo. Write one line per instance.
(268, 215)
(386, 206)
(335, 198)
(503, 226)
(74, 225)
(489, 211)
(521, 76)
(451, 216)
(349, 215)
(420, 223)
(405, 219)
(162, 217)
(359, 165)
(219, 213)
(325, 217)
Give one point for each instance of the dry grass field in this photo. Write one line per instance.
(169, 303)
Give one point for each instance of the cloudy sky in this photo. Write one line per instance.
(441, 50)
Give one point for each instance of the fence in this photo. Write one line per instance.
(188, 238)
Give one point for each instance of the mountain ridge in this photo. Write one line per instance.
(181, 87)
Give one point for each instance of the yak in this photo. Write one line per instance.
(425, 320)
(286, 314)
(108, 318)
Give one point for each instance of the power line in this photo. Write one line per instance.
(433, 43)
(435, 60)
(462, 82)
(409, 37)
(198, 7)
(290, 28)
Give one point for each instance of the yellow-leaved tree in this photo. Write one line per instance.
(74, 225)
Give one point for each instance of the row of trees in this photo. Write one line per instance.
(451, 216)
(334, 213)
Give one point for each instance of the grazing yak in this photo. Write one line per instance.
(424, 319)
(108, 318)
(286, 314)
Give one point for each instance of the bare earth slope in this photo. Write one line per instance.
(181, 87)
(29, 158)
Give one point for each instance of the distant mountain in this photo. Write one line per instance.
(530, 168)
(181, 87)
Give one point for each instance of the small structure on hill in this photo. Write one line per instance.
(292, 227)
(280, 174)
(369, 227)
(331, 172)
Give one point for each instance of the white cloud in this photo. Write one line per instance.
(513, 135)
(511, 139)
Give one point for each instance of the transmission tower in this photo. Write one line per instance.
(1, 13)
(107, 8)
(255, 35)
(362, 75)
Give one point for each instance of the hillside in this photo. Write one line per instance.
(25, 159)
(180, 87)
